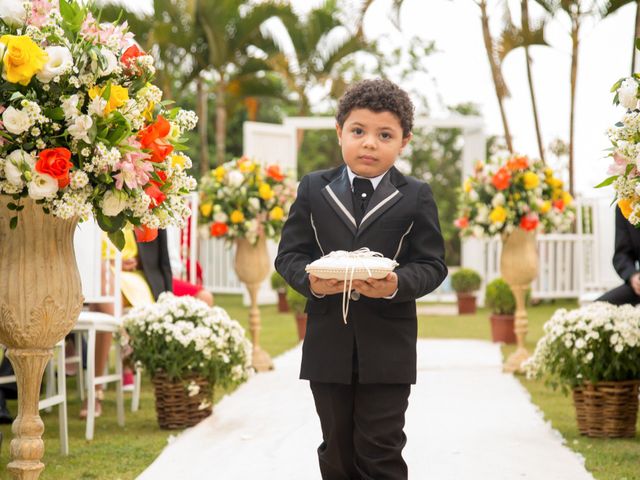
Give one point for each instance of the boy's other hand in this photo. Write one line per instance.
(381, 288)
(320, 286)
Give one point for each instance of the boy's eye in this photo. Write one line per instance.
(385, 135)
(357, 131)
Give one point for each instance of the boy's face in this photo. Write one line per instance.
(371, 141)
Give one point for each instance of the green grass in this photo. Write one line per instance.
(123, 453)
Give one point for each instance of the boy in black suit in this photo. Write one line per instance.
(361, 372)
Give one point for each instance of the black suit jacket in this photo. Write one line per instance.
(401, 222)
(627, 248)
(154, 257)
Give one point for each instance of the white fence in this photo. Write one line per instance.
(216, 257)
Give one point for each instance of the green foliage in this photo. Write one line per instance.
(499, 298)
(277, 282)
(465, 280)
(296, 300)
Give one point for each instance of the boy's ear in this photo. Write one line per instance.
(339, 132)
(406, 140)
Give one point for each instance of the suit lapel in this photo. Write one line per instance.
(338, 195)
(384, 197)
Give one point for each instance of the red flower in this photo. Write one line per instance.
(501, 179)
(219, 229)
(274, 172)
(55, 162)
(558, 205)
(462, 222)
(529, 222)
(517, 163)
(145, 234)
(163, 178)
(153, 138)
(129, 56)
(157, 197)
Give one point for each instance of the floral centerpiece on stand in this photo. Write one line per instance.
(187, 347)
(514, 192)
(595, 352)
(83, 129)
(244, 199)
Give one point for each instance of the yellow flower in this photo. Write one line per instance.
(531, 180)
(177, 161)
(467, 185)
(246, 166)
(276, 214)
(237, 216)
(498, 215)
(545, 207)
(206, 209)
(118, 96)
(219, 173)
(548, 172)
(148, 112)
(265, 191)
(567, 198)
(554, 182)
(23, 58)
(625, 207)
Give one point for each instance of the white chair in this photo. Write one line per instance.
(55, 393)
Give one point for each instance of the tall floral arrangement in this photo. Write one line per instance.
(510, 193)
(625, 140)
(83, 129)
(243, 198)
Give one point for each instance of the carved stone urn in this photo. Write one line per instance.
(252, 266)
(519, 267)
(40, 300)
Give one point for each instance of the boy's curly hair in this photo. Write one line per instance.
(379, 95)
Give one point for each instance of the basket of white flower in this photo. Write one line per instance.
(595, 351)
(187, 347)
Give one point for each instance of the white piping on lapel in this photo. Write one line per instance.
(401, 240)
(341, 206)
(313, 225)
(378, 206)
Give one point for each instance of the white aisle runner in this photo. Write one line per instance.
(466, 421)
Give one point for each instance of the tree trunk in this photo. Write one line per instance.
(221, 122)
(498, 81)
(203, 125)
(575, 32)
(525, 28)
(635, 36)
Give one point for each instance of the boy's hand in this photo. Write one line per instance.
(321, 286)
(381, 288)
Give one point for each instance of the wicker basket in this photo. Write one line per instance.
(607, 409)
(174, 407)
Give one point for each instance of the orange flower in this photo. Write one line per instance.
(517, 163)
(501, 179)
(163, 178)
(153, 138)
(129, 56)
(558, 205)
(625, 207)
(145, 234)
(462, 222)
(529, 222)
(274, 172)
(157, 197)
(55, 162)
(219, 229)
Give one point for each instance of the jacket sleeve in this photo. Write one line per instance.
(624, 258)
(296, 248)
(425, 268)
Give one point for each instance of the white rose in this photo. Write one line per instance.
(80, 128)
(42, 186)
(235, 178)
(12, 171)
(628, 93)
(113, 203)
(70, 107)
(254, 204)
(112, 61)
(12, 12)
(60, 61)
(16, 121)
(220, 217)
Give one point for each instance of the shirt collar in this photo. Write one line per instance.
(374, 180)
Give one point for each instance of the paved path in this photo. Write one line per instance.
(466, 421)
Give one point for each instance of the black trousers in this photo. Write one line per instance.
(362, 430)
(621, 295)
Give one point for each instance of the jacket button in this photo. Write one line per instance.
(355, 295)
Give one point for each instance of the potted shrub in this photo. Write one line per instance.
(187, 347)
(595, 352)
(297, 302)
(466, 282)
(500, 300)
(280, 286)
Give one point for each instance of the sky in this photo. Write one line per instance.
(461, 73)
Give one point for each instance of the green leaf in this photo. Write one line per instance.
(12, 206)
(110, 224)
(54, 113)
(638, 43)
(606, 182)
(13, 223)
(117, 238)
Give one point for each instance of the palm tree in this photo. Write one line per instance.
(496, 73)
(236, 48)
(612, 6)
(513, 38)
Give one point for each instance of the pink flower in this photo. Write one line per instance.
(134, 168)
(619, 165)
(104, 32)
(40, 10)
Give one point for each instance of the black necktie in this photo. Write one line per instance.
(362, 191)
